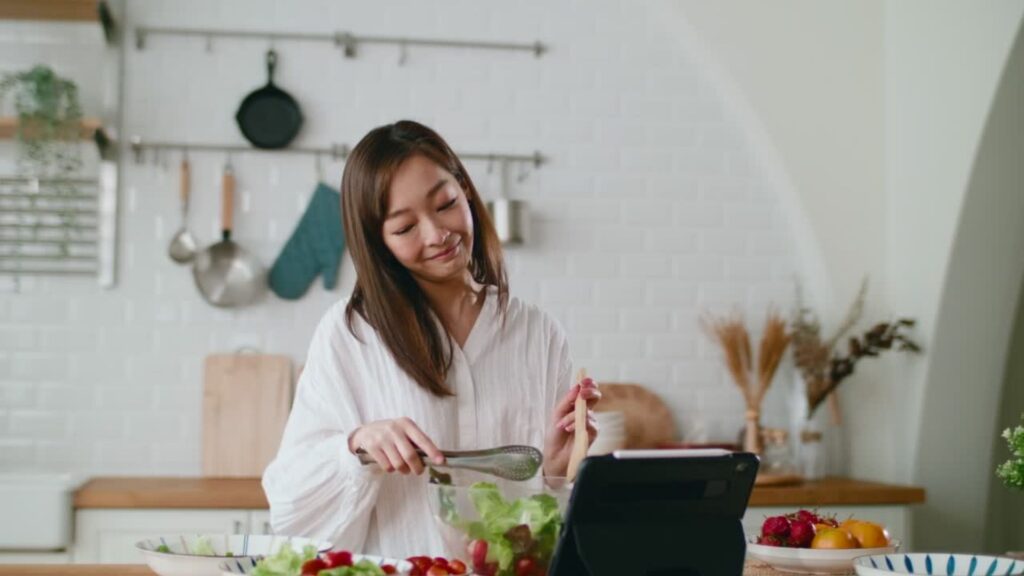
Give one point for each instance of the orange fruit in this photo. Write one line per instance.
(833, 539)
(868, 534)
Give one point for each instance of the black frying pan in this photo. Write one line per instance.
(269, 117)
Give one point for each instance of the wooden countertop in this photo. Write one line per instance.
(749, 569)
(153, 492)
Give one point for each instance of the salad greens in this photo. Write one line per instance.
(203, 547)
(525, 527)
(288, 562)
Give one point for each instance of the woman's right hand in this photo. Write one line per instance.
(393, 443)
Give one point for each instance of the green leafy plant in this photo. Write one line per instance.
(1012, 471)
(49, 124)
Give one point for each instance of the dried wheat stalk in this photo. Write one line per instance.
(732, 336)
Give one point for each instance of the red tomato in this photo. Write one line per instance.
(525, 566)
(423, 563)
(337, 558)
(441, 561)
(313, 567)
(436, 570)
(388, 569)
(457, 567)
(478, 553)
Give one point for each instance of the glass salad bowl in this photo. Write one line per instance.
(499, 527)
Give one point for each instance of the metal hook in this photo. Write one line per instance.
(490, 163)
(523, 173)
(319, 168)
(209, 44)
(403, 54)
(140, 39)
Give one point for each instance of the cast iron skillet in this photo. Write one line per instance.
(269, 117)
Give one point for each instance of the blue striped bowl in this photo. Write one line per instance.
(938, 564)
(202, 554)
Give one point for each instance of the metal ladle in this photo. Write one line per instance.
(183, 245)
(509, 462)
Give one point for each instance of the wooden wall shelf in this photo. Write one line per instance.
(61, 10)
(68, 10)
(9, 126)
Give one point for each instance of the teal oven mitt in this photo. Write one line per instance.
(315, 246)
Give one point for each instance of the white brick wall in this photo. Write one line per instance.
(652, 208)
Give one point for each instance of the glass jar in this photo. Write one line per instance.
(777, 457)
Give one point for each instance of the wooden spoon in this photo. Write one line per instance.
(582, 439)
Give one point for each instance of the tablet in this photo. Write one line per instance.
(657, 513)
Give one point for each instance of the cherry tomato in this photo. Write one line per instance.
(441, 561)
(457, 567)
(388, 569)
(337, 558)
(525, 566)
(313, 567)
(478, 553)
(423, 563)
(437, 570)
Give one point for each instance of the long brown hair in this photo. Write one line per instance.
(386, 295)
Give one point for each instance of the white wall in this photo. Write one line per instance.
(979, 283)
(655, 205)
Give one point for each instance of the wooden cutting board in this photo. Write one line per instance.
(649, 421)
(246, 400)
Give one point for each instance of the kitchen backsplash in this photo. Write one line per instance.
(652, 208)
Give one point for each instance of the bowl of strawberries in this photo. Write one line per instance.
(807, 541)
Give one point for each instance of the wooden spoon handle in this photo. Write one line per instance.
(582, 439)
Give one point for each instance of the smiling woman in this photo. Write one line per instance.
(429, 353)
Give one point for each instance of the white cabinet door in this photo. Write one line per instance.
(259, 522)
(895, 518)
(106, 536)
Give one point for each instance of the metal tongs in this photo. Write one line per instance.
(510, 462)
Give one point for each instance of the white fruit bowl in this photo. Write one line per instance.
(938, 563)
(813, 561)
(185, 555)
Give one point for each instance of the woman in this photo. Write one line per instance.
(430, 351)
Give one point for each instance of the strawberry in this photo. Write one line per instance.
(808, 516)
(777, 526)
(801, 532)
(770, 541)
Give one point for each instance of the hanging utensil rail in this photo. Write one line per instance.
(346, 41)
(334, 151)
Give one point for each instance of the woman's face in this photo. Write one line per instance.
(428, 226)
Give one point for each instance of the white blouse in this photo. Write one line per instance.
(507, 380)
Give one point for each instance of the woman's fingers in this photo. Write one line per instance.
(591, 424)
(379, 457)
(565, 405)
(420, 438)
(398, 463)
(409, 456)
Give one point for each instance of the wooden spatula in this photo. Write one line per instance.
(582, 439)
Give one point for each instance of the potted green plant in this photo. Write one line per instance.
(1012, 471)
(49, 124)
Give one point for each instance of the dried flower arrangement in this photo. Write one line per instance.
(731, 334)
(822, 367)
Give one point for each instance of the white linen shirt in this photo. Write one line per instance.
(507, 380)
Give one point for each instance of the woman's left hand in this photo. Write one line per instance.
(560, 437)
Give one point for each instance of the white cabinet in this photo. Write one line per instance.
(259, 522)
(108, 536)
(894, 517)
